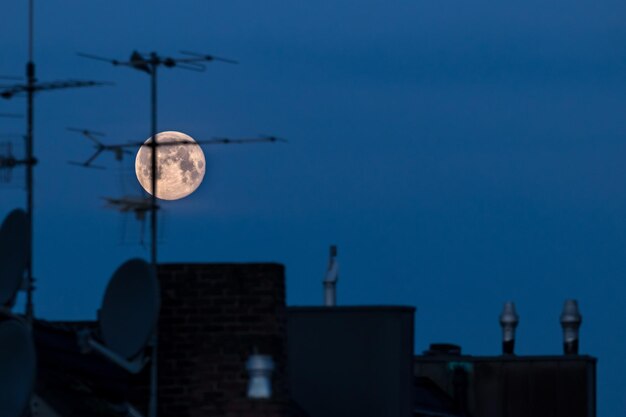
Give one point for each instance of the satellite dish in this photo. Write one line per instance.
(17, 367)
(13, 255)
(130, 308)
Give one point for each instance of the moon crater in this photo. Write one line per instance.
(180, 165)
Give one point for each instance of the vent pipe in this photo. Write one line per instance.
(570, 322)
(330, 281)
(508, 321)
(260, 369)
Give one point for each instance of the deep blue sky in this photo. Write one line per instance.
(460, 154)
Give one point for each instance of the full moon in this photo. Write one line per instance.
(180, 168)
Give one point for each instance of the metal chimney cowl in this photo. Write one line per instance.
(571, 319)
(260, 369)
(509, 320)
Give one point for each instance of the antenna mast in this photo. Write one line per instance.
(149, 64)
(30, 88)
(153, 161)
(30, 160)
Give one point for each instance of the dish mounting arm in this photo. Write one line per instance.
(87, 344)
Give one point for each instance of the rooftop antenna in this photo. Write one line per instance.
(139, 205)
(219, 140)
(30, 88)
(330, 281)
(18, 364)
(117, 150)
(7, 161)
(149, 63)
(120, 149)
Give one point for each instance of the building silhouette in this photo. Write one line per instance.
(329, 361)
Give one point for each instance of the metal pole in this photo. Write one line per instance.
(152, 406)
(153, 207)
(30, 161)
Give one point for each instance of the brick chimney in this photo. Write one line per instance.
(213, 317)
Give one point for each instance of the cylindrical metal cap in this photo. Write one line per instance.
(260, 369)
(508, 321)
(571, 319)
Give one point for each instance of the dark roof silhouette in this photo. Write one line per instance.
(73, 383)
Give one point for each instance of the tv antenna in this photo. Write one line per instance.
(7, 161)
(117, 150)
(29, 89)
(139, 205)
(120, 150)
(149, 63)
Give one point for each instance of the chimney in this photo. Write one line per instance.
(508, 321)
(330, 281)
(570, 322)
(218, 324)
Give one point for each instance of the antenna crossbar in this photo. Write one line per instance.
(16, 89)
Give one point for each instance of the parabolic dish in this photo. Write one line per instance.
(17, 367)
(13, 255)
(130, 308)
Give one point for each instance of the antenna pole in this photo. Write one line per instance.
(153, 207)
(30, 161)
(152, 406)
(30, 87)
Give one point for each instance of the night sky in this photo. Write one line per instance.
(460, 154)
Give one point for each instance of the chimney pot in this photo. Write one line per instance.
(260, 369)
(571, 319)
(508, 321)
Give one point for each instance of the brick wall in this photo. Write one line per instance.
(212, 318)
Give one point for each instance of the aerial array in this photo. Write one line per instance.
(126, 334)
